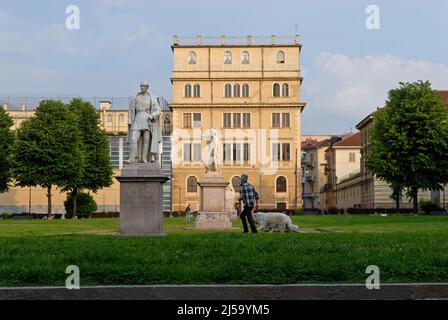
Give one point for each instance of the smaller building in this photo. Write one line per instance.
(343, 158)
(313, 171)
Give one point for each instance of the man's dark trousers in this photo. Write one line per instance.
(247, 213)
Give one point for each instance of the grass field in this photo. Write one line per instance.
(334, 249)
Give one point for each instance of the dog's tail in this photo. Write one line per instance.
(292, 227)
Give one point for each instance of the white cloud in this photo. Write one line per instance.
(354, 87)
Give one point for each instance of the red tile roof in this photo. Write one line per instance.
(307, 144)
(353, 140)
(444, 94)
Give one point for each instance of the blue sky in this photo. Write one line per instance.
(348, 69)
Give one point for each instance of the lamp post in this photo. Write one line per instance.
(172, 188)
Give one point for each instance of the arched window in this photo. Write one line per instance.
(197, 90)
(276, 90)
(227, 57)
(109, 118)
(236, 90)
(280, 57)
(121, 118)
(281, 185)
(188, 90)
(285, 90)
(236, 181)
(192, 185)
(246, 90)
(192, 57)
(245, 57)
(228, 91)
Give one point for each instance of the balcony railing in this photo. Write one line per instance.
(308, 164)
(310, 178)
(238, 40)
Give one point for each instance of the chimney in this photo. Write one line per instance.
(5, 106)
(223, 40)
(297, 39)
(273, 40)
(199, 40)
(249, 40)
(105, 105)
(175, 40)
(23, 107)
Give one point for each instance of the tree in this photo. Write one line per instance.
(6, 143)
(96, 172)
(86, 205)
(409, 141)
(47, 152)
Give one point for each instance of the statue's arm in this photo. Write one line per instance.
(157, 111)
(131, 115)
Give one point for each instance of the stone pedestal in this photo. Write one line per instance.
(141, 210)
(213, 215)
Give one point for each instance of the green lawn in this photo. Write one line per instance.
(334, 249)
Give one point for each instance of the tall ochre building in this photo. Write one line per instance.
(249, 90)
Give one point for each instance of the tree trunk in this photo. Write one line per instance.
(397, 203)
(75, 202)
(49, 201)
(415, 199)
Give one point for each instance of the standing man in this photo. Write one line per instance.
(144, 127)
(187, 213)
(250, 201)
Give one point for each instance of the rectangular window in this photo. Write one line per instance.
(227, 152)
(352, 157)
(246, 152)
(246, 120)
(196, 120)
(227, 120)
(276, 120)
(281, 205)
(236, 152)
(197, 148)
(237, 120)
(285, 120)
(187, 120)
(187, 152)
(276, 152)
(286, 152)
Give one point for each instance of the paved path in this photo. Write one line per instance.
(248, 292)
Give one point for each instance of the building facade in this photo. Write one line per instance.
(375, 193)
(249, 91)
(343, 162)
(313, 172)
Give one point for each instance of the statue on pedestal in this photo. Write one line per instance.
(141, 180)
(144, 127)
(211, 156)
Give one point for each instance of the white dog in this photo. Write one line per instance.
(275, 221)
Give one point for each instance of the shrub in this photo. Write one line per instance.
(427, 206)
(102, 215)
(333, 211)
(5, 216)
(86, 205)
